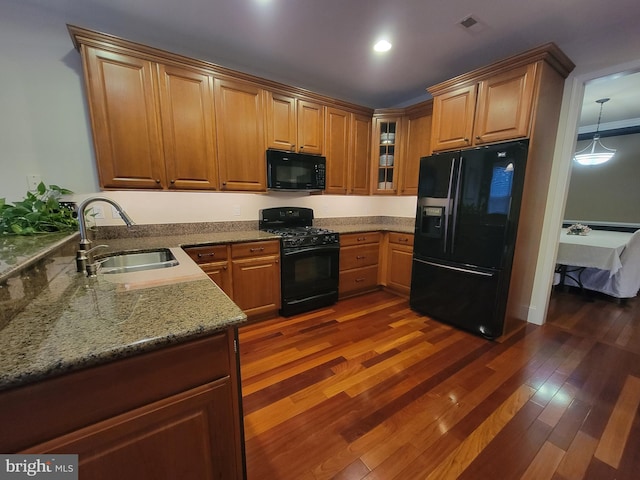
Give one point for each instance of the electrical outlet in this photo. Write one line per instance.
(236, 210)
(98, 211)
(33, 181)
(114, 212)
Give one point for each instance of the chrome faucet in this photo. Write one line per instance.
(84, 256)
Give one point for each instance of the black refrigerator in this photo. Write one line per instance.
(465, 232)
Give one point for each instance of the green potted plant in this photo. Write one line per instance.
(40, 212)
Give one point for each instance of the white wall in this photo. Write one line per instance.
(44, 130)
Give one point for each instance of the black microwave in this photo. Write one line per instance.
(295, 171)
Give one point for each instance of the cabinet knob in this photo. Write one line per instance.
(466, 140)
(224, 268)
(302, 147)
(478, 137)
(172, 181)
(157, 180)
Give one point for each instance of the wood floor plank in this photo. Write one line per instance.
(614, 437)
(576, 461)
(545, 463)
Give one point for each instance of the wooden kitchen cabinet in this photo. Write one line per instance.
(214, 260)
(124, 118)
(256, 277)
(249, 273)
(360, 155)
(386, 153)
(239, 107)
(186, 106)
(398, 262)
(417, 138)
(294, 124)
(359, 256)
(488, 110)
(170, 413)
(347, 147)
(148, 137)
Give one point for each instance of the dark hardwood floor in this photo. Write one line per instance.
(369, 389)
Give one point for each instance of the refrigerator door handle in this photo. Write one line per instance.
(448, 205)
(455, 205)
(457, 269)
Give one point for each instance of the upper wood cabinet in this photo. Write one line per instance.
(186, 105)
(360, 155)
(294, 124)
(386, 153)
(124, 119)
(337, 131)
(239, 109)
(347, 147)
(494, 109)
(417, 139)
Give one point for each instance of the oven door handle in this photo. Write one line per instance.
(316, 249)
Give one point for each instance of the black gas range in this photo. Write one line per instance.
(309, 266)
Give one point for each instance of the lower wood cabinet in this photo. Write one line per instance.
(171, 413)
(398, 262)
(358, 263)
(256, 277)
(249, 273)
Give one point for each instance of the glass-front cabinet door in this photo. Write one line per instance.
(386, 141)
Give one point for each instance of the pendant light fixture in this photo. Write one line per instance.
(595, 153)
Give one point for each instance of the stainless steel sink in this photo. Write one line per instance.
(137, 261)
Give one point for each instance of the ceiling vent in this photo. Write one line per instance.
(468, 22)
(472, 24)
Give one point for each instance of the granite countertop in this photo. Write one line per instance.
(59, 320)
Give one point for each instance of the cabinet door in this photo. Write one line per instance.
(124, 113)
(310, 127)
(504, 106)
(386, 155)
(220, 273)
(360, 155)
(399, 263)
(240, 135)
(189, 435)
(281, 121)
(418, 144)
(256, 284)
(337, 131)
(186, 104)
(453, 115)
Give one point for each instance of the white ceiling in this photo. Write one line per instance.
(325, 45)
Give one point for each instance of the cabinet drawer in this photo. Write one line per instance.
(254, 249)
(359, 238)
(401, 238)
(356, 256)
(365, 278)
(207, 253)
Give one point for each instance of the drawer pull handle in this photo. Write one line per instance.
(403, 239)
(256, 249)
(358, 280)
(211, 254)
(361, 239)
(360, 257)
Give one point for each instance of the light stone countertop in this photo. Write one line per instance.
(65, 321)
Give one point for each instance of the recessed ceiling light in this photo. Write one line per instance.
(382, 46)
